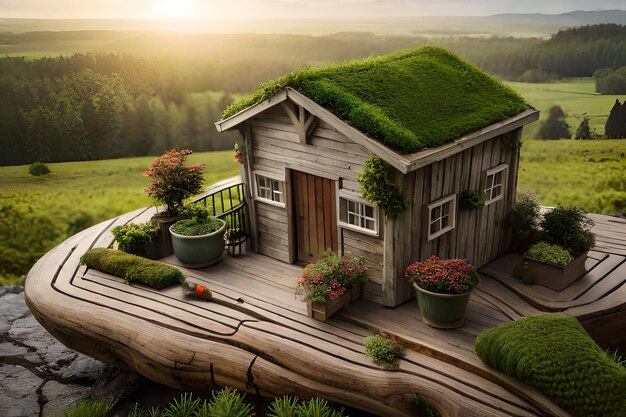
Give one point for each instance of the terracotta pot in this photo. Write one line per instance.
(444, 311)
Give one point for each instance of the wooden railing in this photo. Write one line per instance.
(226, 201)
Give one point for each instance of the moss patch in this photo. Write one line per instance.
(132, 268)
(554, 354)
(408, 100)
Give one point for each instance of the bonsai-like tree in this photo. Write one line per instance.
(171, 181)
(555, 127)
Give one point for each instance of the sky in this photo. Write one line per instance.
(250, 9)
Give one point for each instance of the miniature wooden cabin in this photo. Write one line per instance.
(444, 126)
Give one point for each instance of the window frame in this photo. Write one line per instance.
(452, 216)
(272, 177)
(350, 196)
(488, 188)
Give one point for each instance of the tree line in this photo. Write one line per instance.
(555, 127)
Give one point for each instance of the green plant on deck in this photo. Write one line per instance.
(382, 348)
(549, 253)
(422, 408)
(200, 222)
(524, 220)
(135, 238)
(37, 169)
(377, 186)
(132, 268)
(554, 354)
(89, 409)
(472, 200)
(568, 227)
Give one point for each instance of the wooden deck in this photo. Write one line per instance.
(256, 335)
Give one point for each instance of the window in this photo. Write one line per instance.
(270, 190)
(441, 216)
(494, 183)
(357, 214)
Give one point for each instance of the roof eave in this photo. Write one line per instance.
(245, 114)
(425, 157)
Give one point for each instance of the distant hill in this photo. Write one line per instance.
(518, 25)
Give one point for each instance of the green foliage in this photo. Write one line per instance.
(583, 131)
(317, 407)
(523, 219)
(284, 407)
(227, 402)
(185, 406)
(568, 227)
(134, 238)
(422, 408)
(610, 81)
(615, 126)
(197, 226)
(132, 268)
(554, 354)
(472, 200)
(89, 409)
(616, 357)
(555, 127)
(37, 169)
(448, 97)
(377, 186)
(382, 348)
(549, 253)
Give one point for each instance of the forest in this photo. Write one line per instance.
(145, 94)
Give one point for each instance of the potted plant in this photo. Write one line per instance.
(559, 260)
(524, 221)
(198, 241)
(138, 239)
(472, 200)
(331, 283)
(171, 182)
(442, 288)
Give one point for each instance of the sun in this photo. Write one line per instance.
(174, 9)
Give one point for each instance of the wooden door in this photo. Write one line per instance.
(315, 216)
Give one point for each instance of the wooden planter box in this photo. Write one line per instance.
(556, 277)
(322, 312)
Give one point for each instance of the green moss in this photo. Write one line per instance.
(408, 100)
(554, 354)
(550, 254)
(382, 348)
(132, 268)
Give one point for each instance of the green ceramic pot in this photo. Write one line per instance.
(444, 311)
(199, 251)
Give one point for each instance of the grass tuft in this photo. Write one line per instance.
(89, 409)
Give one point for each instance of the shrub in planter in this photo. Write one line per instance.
(549, 253)
(199, 240)
(382, 348)
(555, 355)
(132, 268)
(135, 238)
(568, 227)
(37, 169)
(443, 289)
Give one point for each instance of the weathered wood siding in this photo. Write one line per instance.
(479, 235)
(274, 147)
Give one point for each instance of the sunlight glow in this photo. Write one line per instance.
(174, 9)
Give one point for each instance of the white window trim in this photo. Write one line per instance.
(356, 197)
(273, 176)
(500, 168)
(439, 203)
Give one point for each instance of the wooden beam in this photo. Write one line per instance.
(242, 116)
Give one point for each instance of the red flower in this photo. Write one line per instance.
(444, 276)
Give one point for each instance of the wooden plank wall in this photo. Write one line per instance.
(479, 235)
(275, 147)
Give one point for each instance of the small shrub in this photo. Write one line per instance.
(89, 409)
(382, 348)
(554, 354)
(317, 407)
(422, 408)
(196, 226)
(227, 402)
(523, 219)
(549, 253)
(135, 238)
(132, 268)
(472, 200)
(37, 169)
(284, 407)
(377, 186)
(568, 227)
(185, 406)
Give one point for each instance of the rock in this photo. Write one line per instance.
(57, 397)
(115, 383)
(18, 355)
(82, 370)
(18, 392)
(12, 308)
(11, 289)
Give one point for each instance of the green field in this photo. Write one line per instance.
(36, 213)
(576, 96)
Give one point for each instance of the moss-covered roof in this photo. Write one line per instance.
(408, 100)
